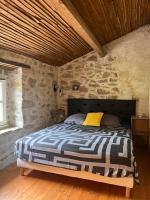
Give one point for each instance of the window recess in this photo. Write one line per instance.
(3, 114)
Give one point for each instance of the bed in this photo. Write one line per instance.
(102, 154)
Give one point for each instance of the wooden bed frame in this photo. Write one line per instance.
(126, 182)
(123, 108)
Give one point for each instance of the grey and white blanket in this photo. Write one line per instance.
(104, 151)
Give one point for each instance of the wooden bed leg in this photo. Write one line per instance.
(128, 191)
(22, 170)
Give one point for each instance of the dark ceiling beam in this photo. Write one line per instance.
(72, 17)
(4, 63)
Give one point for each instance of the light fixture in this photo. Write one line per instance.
(57, 88)
(75, 87)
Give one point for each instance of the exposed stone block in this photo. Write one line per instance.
(115, 89)
(92, 58)
(103, 81)
(111, 58)
(28, 103)
(93, 83)
(83, 89)
(74, 82)
(62, 82)
(92, 96)
(102, 92)
(113, 80)
(31, 82)
(69, 67)
(67, 75)
(106, 75)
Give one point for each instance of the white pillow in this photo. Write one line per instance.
(75, 119)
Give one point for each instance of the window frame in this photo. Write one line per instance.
(3, 101)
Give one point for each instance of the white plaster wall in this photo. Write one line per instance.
(133, 65)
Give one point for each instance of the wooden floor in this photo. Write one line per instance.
(44, 186)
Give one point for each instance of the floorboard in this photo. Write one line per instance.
(44, 186)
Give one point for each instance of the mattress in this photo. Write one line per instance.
(105, 151)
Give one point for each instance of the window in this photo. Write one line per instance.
(2, 102)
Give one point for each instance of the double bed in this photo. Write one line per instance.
(102, 154)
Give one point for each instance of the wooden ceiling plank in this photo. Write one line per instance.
(118, 29)
(124, 13)
(95, 14)
(148, 13)
(20, 48)
(48, 53)
(87, 7)
(41, 38)
(21, 28)
(73, 47)
(7, 32)
(122, 16)
(11, 43)
(64, 51)
(45, 24)
(31, 28)
(43, 14)
(136, 13)
(133, 18)
(32, 55)
(145, 7)
(24, 40)
(65, 48)
(128, 15)
(21, 38)
(72, 17)
(56, 22)
(111, 19)
(61, 29)
(141, 11)
(57, 16)
(24, 53)
(107, 21)
(72, 35)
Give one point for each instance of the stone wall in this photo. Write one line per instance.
(37, 100)
(122, 74)
(38, 95)
(96, 79)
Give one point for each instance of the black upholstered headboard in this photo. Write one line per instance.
(122, 108)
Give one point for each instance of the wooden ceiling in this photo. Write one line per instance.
(56, 32)
(111, 19)
(34, 28)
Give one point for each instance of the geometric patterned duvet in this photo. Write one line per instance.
(104, 151)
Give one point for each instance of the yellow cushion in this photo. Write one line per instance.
(93, 119)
